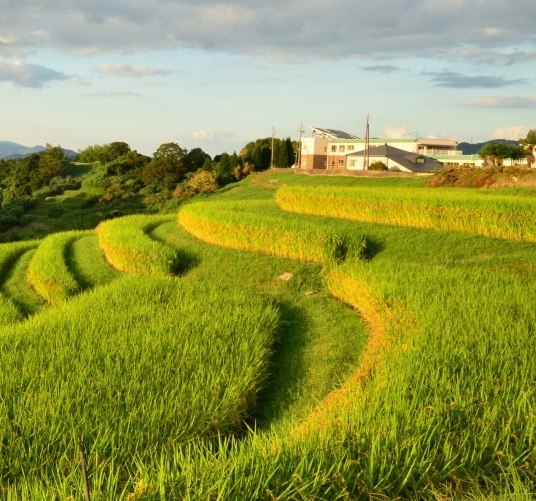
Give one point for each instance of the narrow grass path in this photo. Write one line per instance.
(19, 290)
(315, 353)
(86, 261)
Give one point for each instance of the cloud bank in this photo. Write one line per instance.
(493, 29)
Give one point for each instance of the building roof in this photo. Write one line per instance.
(411, 161)
(333, 133)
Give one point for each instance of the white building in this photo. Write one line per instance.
(333, 149)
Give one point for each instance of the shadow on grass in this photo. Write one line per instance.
(18, 289)
(186, 261)
(372, 248)
(79, 274)
(287, 368)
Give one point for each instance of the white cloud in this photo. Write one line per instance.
(126, 70)
(514, 133)
(399, 132)
(202, 135)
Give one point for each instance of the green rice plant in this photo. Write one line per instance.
(9, 312)
(19, 290)
(128, 247)
(493, 215)
(9, 254)
(135, 369)
(48, 272)
(87, 263)
(255, 226)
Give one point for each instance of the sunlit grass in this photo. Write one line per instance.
(127, 246)
(450, 210)
(162, 369)
(48, 271)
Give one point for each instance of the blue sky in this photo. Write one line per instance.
(217, 74)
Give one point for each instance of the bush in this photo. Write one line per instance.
(377, 165)
(203, 182)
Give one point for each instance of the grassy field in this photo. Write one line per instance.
(284, 356)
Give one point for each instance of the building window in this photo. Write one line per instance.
(333, 148)
(350, 147)
(341, 148)
(341, 162)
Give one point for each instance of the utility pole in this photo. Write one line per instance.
(367, 144)
(298, 152)
(272, 152)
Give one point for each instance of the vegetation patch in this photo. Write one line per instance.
(254, 226)
(135, 385)
(48, 271)
(483, 177)
(128, 247)
(490, 214)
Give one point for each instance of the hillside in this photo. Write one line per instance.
(288, 337)
(474, 148)
(11, 150)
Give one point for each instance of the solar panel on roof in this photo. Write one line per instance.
(334, 133)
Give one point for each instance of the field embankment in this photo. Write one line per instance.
(490, 214)
(128, 247)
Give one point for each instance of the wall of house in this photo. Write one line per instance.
(323, 153)
(313, 153)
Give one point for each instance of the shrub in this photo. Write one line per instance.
(377, 165)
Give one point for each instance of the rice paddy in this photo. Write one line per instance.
(246, 376)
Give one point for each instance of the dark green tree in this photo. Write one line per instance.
(167, 168)
(196, 159)
(223, 170)
(207, 165)
(257, 153)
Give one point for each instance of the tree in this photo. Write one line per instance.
(258, 153)
(104, 153)
(196, 159)
(223, 170)
(494, 153)
(167, 168)
(283, 153)
(207, 165)
(529, 144)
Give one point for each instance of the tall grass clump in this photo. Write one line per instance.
(128, 247)
(445, 407)
(86, 260)
(48, 271)
(135, 369)
(9, 254)
(255, 226)
(492, 215)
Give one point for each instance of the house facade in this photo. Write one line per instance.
(333, 149)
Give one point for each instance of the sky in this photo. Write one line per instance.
(216, 75)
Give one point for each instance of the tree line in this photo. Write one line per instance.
(494, 153)
(122, 173)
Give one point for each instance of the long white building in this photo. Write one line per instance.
(333, 149)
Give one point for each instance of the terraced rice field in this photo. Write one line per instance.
(239, 351)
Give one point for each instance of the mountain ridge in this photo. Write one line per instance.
(10, 150)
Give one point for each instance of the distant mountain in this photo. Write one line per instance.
(10, 150)
(474, 148)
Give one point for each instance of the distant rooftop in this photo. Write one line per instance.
(332, 133)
